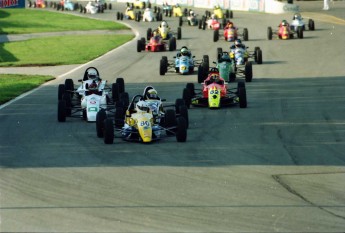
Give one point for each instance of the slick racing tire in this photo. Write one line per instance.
(61, 91)
(181, 130)
(121, 83)
(269, 33)
(183, 112)
(242, 95)
(191, 88)
(69, 85)
(162, 67)
(259, 56)
(148, 33)
(172, 44)
(179, 102)
(179, 33)
(245, 34)
(139, 46)
(108, 131)
(248, 71)
(187, 97)
(115, 92)
(61, 111)
(219, 53)
(100, 117)
(215, 35)
(170, 121)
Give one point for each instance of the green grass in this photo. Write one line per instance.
(52, 50)
(61, 50)
(13, 85)
(19, 21)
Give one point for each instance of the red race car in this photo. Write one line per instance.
(215, 93)
(284, 31)
(156, 44)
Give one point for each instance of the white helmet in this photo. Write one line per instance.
(92, 74)
(164, 24)
(142, 106)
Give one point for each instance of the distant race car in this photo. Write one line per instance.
(38, 4)
(215, 93)
(210, 23)
(137, 123)
(150, 16)
(183, 63)
(87, 99)
(139, 4)
(297, 21)
(156, 44)
(94, 7)
(191, 19)
(178, 12)
(231, 33)
(165, 32)
(219, 13)
(284, 32)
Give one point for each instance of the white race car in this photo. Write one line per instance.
(86, 100)
(297, 21)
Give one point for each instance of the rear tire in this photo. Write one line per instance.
(108, 131)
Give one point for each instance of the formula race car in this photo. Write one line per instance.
(191, 19)
(164, 31)
(219, 13)
(86, 100)
(129, 14)
(231, 33)
(215, 93)
(138, 123)
(156, 44)
(38, 4)
(139, 4)
(210, 23)
(297, 21)
(226, 67)
(284, 32)
(149, 16)
(183, 63)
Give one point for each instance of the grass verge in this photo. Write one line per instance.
(60, 50)
(13, 85)
(20, 21)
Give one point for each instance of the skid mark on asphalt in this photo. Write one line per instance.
(279, 179)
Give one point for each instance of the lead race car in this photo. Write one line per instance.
(215, 93)
(87, 99)
(183, 63)
(140, 124)
(297, 21)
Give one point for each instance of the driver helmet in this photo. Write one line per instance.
(230, 24)
(147, 9)
(191, 13)
(164, 24)
(155, 33)
(141, 107)
(216, 6)
(213, 16)
(284, 23)
(92, 74)
(225, 57)
(184, 52)
(215, 77)
(151, 94)
(238, 43)
(177, 5)
(296, 16)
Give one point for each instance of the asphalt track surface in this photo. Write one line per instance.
(276, 166)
